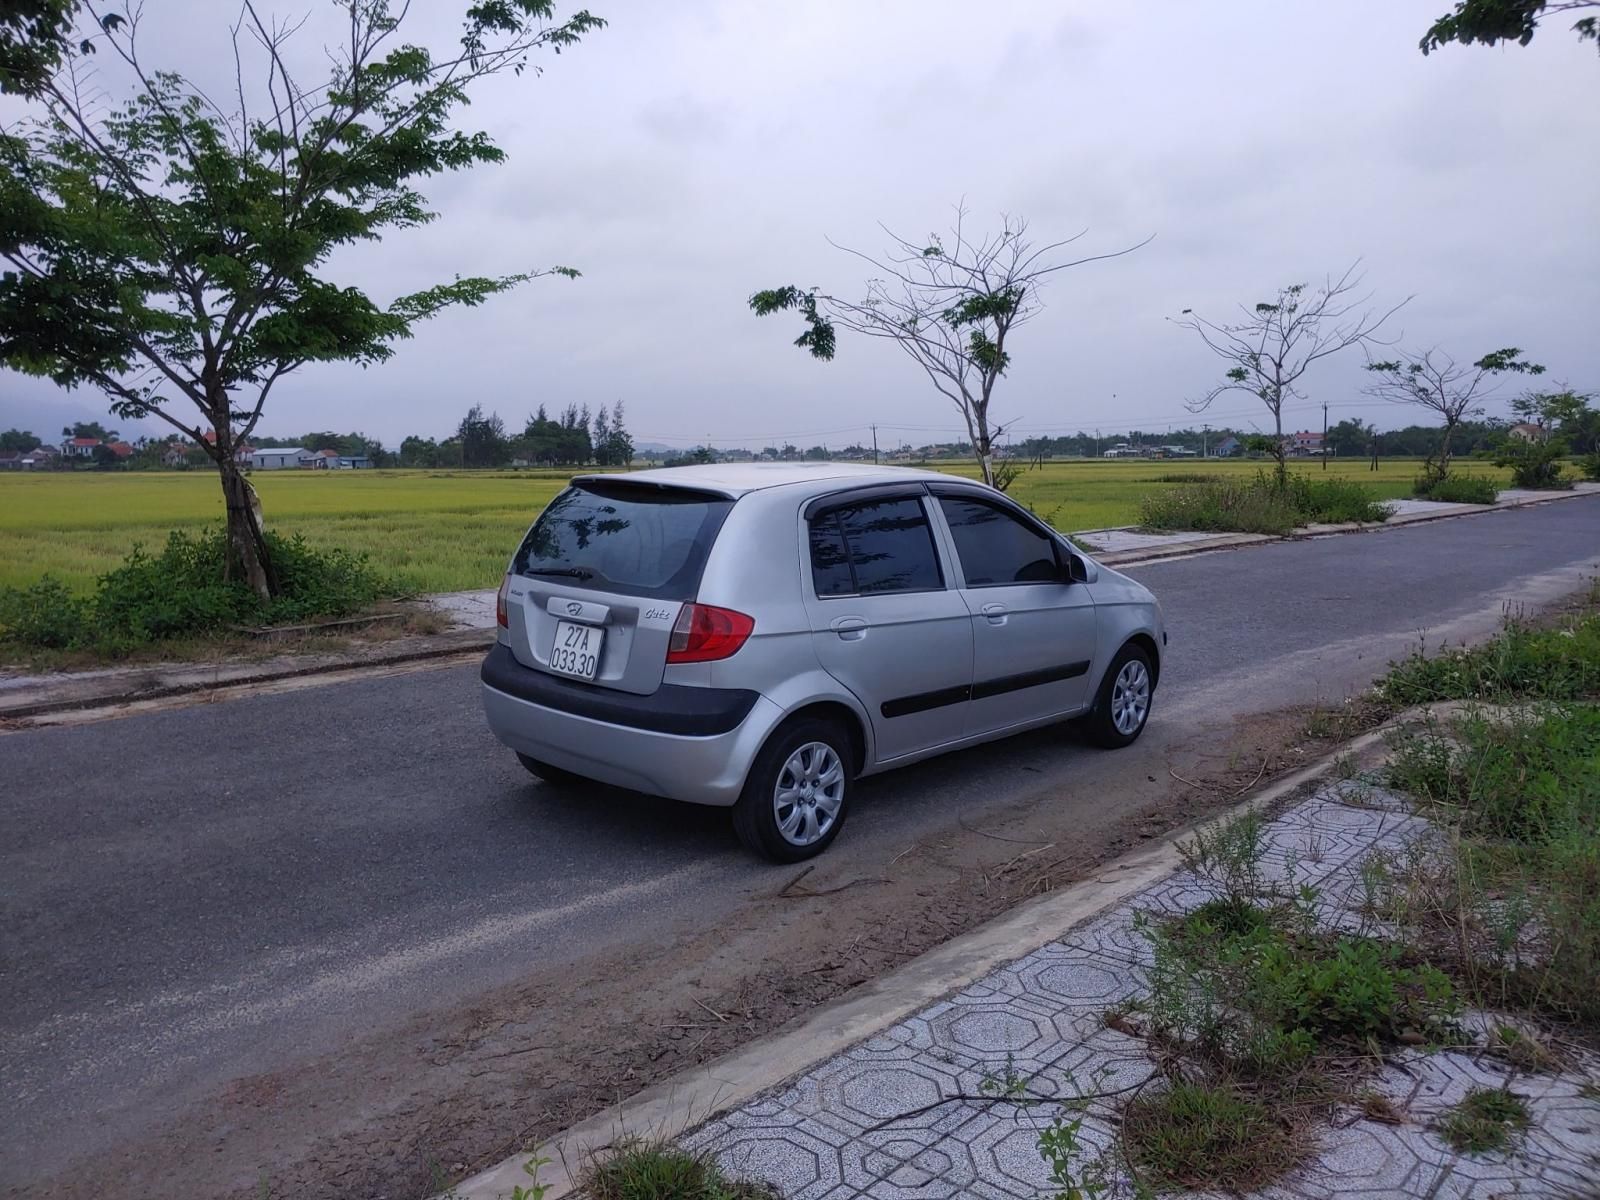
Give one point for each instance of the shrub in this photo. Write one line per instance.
(1222, 505)
(1456, 489)
(1333, 500)
(46, 615)
(1259, 505)
(1533, 464)
(182, 592)
(1591, 465)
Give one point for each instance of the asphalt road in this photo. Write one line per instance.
(193, 895)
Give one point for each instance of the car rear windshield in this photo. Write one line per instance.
(637, 539)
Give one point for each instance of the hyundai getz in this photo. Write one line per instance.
(760, 636)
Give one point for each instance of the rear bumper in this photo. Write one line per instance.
(685, 743)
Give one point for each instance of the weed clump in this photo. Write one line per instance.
(1486, 1120)
(661, 1171)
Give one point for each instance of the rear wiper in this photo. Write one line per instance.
(563, 572)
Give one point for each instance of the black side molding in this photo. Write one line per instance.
(671, 708)
(904, 706)
(1028, 679)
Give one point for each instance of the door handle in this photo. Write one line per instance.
(995, 612)
(849, 629)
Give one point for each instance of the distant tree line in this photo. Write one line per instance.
(575, 438)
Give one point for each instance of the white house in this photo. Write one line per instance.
(273, 458)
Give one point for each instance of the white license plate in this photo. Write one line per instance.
(576, 649)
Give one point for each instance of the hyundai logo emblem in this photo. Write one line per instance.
(573, 608)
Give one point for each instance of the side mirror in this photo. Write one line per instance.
(1075, 568)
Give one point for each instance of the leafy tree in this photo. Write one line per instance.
(33, 38)
(952, 304)
(1349, 438)
(602, 437)
(482, 439)
(619, 444)
(1565, 413)
(89, 429)
(1493, 21)
(419, 452)
(1433, 380)
(17, 439)
(175, 254)
(1270, 350)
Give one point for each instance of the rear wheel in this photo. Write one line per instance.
(543, 770)
(1123, 704)
(796, 796)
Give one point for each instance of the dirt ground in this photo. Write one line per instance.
(404, 1112)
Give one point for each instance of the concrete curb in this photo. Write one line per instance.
(672, 1107)
(166, 680)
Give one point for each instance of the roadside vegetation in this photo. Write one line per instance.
(182, 592)
(1456, 488)
(1261, 1020)
(661, 1171)
(1264, 504)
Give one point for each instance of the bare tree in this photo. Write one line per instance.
(1278, 341)
(1435, 381)
(951, 303)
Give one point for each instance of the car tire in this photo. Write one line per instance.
(802, 771)
(1122, 706)
(552, 775)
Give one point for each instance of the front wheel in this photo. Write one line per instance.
(1123, 704)
(796, 795)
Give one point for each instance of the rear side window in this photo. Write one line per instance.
(997, 547)
(874, 547)
(638, 540)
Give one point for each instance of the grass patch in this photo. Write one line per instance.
(1261, 504)
(1192, 1135)
(1456, 489)
(660, 1171)
(1486, 1120)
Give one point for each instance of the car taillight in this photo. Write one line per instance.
(500, 604)
(705, 634)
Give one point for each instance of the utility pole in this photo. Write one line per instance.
(1324, 435)
(1205, 435)
(1097, 443)
(874, 445)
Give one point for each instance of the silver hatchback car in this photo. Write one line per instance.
(760, 636)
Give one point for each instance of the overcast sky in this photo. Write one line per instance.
(693, 152)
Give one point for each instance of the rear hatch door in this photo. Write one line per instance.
(597, 584)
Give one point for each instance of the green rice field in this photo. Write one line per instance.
(436, 531)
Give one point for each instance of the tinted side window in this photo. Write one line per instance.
(830, 561)
(874, 547)
(995, 547)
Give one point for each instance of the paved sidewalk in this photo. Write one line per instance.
(881, 1121)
